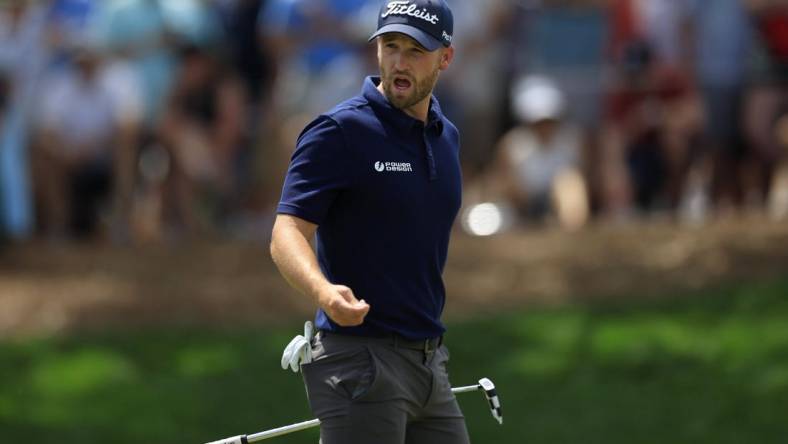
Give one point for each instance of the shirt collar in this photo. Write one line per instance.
(396, 117)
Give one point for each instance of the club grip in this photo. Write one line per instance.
(241, 439)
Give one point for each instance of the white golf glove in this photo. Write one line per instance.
(299, 350)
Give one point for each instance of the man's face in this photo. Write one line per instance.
(408, 72)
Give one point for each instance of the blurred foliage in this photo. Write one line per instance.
(710, 367)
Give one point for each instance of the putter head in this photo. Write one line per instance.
(492, 397)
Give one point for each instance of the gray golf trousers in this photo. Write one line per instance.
(382, 391)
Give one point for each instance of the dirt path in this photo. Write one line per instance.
(50, 289)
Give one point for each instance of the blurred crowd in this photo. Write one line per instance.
(159, 120)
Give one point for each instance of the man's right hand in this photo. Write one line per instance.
(342, 307)
(297, 262)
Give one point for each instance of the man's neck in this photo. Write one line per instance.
(419, 111)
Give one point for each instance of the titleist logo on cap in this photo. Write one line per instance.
(404, 7)
(429, 22)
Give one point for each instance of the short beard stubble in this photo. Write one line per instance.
(421, 89)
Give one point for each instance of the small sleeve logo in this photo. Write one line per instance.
(379, 166)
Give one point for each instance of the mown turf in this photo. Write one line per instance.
(698, 368)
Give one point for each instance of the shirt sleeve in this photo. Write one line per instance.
(318, 172)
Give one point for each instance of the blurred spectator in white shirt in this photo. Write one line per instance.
(540, 160)
(83, 161)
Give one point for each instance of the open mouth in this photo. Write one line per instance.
(402, 83)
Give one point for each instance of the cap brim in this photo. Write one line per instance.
(429, 42)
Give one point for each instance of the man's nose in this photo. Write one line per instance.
(400, 64)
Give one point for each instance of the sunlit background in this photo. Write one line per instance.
(619, 267)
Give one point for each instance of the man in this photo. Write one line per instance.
(80, 146)
(24, 55)
(378, 179)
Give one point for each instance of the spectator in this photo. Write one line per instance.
(70, 22)
(122, 83)
(649, 131)
(317, 50)
(202, 130)
(480, 61)
(565, 41)
(539, 161)
(4, 93)
(778, 192)
(767, 97)
(24, 55)
(722, 32)
(251, 57)
(247, 51)
(139, 31)
(652, 116)
(76, 155)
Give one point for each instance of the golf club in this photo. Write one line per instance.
(484, 384)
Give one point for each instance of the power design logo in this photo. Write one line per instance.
(402, 167)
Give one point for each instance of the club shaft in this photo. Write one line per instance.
(467, 388)
(283, 430)
(256, 437)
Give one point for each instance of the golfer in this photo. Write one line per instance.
(377, 178)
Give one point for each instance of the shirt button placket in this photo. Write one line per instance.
(430, 157)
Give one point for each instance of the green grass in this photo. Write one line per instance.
(700, 368)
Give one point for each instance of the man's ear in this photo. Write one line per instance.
(447, 55)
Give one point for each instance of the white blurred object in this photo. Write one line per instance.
(487, 218)
(536, 98)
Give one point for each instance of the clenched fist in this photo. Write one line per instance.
(342, 307)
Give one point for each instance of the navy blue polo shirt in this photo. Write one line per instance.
(384, 189)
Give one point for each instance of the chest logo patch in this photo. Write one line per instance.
(401, 167)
